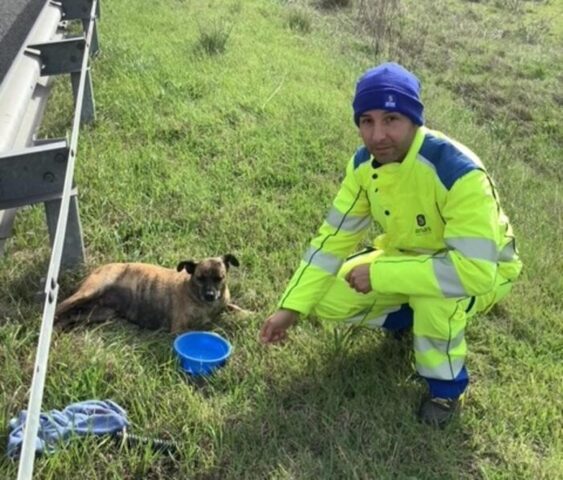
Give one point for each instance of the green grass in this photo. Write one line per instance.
(200, 151)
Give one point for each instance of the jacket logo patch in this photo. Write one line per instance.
(422, 228)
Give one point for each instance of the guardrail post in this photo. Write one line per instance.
(6, 222)
(88, 114)
(80, 9)
(34, 175)
(73, 247)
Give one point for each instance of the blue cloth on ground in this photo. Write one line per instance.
(97, 417)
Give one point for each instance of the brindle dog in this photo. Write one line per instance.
(152, 296)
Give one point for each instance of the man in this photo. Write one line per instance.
(447, 251)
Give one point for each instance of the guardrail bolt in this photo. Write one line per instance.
(48, 177)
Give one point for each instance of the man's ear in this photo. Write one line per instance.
(188, 265)
(230, 259)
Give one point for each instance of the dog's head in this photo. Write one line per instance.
(209, 276)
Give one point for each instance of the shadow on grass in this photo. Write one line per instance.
(26, 283)
(23, 294)
(348, 413)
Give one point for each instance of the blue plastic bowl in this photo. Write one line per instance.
(200, 353)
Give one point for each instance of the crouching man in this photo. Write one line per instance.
(447, 251)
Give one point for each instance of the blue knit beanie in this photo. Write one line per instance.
(389, 87)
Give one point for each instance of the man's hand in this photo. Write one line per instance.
(275, 327)
(358, 278)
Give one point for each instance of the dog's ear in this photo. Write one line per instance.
(230, 259)
(188, 265)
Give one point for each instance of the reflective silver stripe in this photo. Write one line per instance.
(375, 322)
(445, 371)
(329, 263)
(424, 344)
(447, 277)
(426, 161)
(348, 223)
(507, 253)
(472, 247)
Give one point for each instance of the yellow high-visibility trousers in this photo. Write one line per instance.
(438, 323)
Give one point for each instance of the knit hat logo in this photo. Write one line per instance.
(390, 103)
(390, 87)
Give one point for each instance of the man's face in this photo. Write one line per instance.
(387, 135)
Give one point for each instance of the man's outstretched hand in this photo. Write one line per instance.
(275, 327)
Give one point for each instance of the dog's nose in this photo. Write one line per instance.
(209, 296)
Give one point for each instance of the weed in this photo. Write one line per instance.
(299, 20)
(379, 21)
(331, 4)
(511, 5)
(214, 36)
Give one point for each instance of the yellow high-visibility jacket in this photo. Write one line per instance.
(445, 234)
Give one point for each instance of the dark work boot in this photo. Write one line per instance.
(438, 412)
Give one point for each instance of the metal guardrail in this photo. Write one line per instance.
(33, 171)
